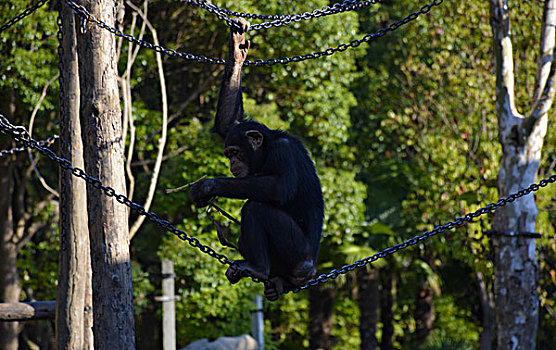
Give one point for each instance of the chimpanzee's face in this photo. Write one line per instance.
(238, 161)
(244, 150)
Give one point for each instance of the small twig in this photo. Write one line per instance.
(172, 190)
(224, 213)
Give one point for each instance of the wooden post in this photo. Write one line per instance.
(168, 306)
(101, 121)
(257, 324)
(35, 310)
(74, 260)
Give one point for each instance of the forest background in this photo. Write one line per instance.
(404, 135)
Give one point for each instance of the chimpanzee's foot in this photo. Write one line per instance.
(234, 274)
(303, 273)
(242, 268)
(273, 289)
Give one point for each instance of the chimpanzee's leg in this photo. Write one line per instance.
(273, 245)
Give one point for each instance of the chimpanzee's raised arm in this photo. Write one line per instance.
(230, 100)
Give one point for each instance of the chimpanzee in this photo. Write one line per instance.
(281, 223)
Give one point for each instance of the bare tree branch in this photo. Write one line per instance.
(162, 140)
(24, 233)
(128, 104)
(31, 123)
(505, 80)
(544, 80)
(165, 158)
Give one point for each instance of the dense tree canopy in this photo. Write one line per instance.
(402, 131)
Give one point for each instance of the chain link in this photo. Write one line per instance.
(22, 15)
(280, 20)
(86, 15)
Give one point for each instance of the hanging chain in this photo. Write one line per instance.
(44, 143)
(19, 134)
(22, 15)
(280, 20)
(87, 16)
(424, 236)
(355, 43)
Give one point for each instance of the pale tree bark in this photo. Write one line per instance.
(521, 137)
(74, 261)
(101, 120)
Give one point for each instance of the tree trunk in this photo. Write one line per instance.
(424, 313)
(321, 310)
(74, 261)
(104, 160)
(387, 300)
(487, 309)
(10, 287)
(368, 299)
(521, 137)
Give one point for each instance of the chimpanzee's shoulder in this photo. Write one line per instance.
(284, 138)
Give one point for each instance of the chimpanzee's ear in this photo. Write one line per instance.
(255, 138)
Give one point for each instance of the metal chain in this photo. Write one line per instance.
(280, 20)
(425, 235)
(44, 143)
(22, 15)
(86, 15)
(355, 43)
(19, 134)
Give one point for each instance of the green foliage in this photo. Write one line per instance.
(425, 132)
(446, 343)
(402, 131)
(286, 322)
(38, 260)
(28, 51)
(142, 288)
(344, 330)
(454, 325)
